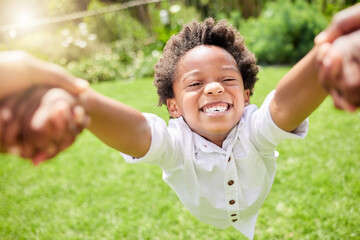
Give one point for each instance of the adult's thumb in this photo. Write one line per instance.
(344, 22)
(55, 76)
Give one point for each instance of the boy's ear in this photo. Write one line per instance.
(173, 108)
(247, 96)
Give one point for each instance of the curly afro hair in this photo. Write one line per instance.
(207, 33)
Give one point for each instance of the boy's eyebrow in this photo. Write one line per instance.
(230, 67)
(196, 71)
(189, 74)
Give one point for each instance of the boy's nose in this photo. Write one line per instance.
(213, 88)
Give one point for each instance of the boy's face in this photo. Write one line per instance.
(209, 92)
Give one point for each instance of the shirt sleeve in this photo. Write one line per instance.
(264, 133)
(163, 148)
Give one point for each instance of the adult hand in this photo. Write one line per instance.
(339, 70)
(19, 71)
(58, 120)
(339, 58)
(45, 122)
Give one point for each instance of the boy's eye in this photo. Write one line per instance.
(228, 79)
(194, 84)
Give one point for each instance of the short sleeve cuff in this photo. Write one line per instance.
(158, 126)
(272, 132)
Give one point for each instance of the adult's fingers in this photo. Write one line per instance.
(80, 116)
(58, 117)
(351, 83)
(341, 79)
(26, 109)
(5, 116)
(11, 135)
(27, 150)
(39, 158)
(67, 141)
(2, 148)
(340, 102)
(343, 22)
(54, 122)
(10, 124)
(52, 103)
(52, 149)
(343, 84)
(330, 67)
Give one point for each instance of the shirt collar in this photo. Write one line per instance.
(204, 145)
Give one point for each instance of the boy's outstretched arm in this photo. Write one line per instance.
(298, 94)
(116, 124)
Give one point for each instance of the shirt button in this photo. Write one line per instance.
(230, 182)
(232, 202)
(233, 215)
(234, 220)
(229, 159)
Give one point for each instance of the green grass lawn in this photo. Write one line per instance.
(89, 192)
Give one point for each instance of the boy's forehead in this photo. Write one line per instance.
(203, 49)
(206, 54)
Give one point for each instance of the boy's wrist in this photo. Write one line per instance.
(85, 99)
(315, 59)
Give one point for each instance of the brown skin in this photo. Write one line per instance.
(298, 94)
(45, 121)
(338, 59)
(116, 124)
(20, 71)
(340, 70)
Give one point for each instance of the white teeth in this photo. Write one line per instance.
(216, 109)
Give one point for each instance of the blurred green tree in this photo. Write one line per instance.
(252, 8)
(284, 32)
(61, 7)
(141, 12)
(207, 8)
(330, 7)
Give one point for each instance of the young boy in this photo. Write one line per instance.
(218, 153)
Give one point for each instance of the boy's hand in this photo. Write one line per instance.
(43, 123)
(339, 70)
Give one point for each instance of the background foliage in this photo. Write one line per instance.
(284, 32)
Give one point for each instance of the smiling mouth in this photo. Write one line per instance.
(215, 108)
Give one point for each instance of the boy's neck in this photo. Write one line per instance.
(217, 139)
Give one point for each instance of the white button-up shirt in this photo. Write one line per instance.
(220, 186)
